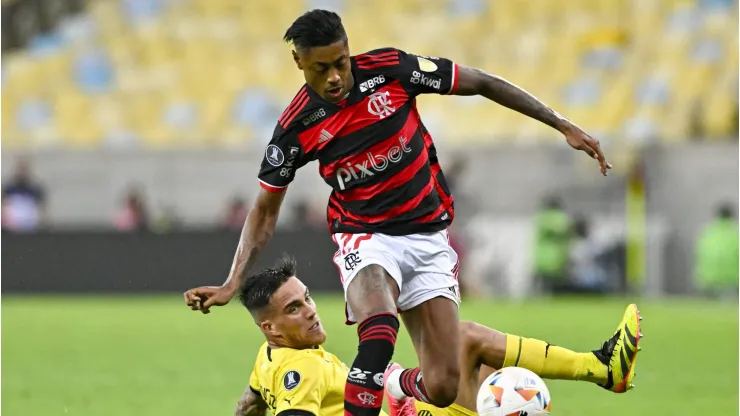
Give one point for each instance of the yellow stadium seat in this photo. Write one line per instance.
(210, 50)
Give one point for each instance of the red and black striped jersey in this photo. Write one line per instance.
(372, 149)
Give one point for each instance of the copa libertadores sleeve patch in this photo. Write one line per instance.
(291, 380)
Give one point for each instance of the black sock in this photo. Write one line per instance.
(363, 393)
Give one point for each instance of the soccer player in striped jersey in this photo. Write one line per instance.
(390, 206)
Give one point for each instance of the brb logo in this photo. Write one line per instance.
(318, 115)
(373, 164)
(372, 83)
(380, 104)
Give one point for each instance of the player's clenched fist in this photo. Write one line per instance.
(202, 298)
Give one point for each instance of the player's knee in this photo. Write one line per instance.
(468, 333)
(478, 341)
(443, 394)
(442, 385)
(474, 338)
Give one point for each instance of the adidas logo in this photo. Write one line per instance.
(325, 136)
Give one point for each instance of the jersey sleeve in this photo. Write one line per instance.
(427, 74)
(283, 156)
(302, 386)
(254, 383)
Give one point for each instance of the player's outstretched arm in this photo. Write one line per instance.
(256, 233)
(250, 404)
(472, 81)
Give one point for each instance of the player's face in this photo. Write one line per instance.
(327, 70)
(295, 322)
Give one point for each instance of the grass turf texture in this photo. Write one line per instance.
(119, 356)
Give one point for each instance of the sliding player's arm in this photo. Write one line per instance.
(250, 404)
(283, 156)
(472, 81)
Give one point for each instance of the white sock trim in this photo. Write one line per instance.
(393, 384)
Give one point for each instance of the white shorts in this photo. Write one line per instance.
(423, 265)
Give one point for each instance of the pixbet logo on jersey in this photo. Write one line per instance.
(373, 164)
(419, 78)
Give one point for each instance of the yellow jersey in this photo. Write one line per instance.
(426, 409)
(312, 381)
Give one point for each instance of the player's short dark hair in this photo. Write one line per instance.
(257, 290)
(315, 28)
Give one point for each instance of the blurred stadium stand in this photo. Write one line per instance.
(194, 73)
(103, 95)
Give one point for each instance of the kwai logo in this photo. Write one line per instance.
(425, 80)
(373, 164)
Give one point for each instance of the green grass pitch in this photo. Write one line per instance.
(123, 356)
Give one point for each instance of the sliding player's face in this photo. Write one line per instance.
(327, 70)
(294, 317)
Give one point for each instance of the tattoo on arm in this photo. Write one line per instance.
(250, 404)
(474, 81)
(256, 233)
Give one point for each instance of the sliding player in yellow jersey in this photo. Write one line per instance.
(294, 376)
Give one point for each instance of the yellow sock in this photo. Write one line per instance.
(553, 362)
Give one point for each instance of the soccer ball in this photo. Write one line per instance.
(513, 391)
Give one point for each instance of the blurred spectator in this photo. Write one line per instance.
(305, 217)
(716, 256)
(453, 173)
(553, 240)
(587, 274)
(167, 221)
(133, 215)
(236, 214)
(24, 201)
(469, 285)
